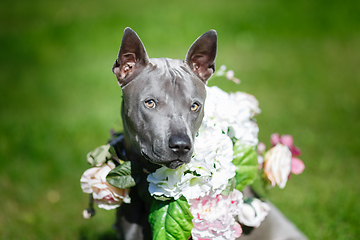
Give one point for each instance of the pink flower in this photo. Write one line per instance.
(214, 217)
(230, 76)
(261, 147)
(297, 166)
(285, 140)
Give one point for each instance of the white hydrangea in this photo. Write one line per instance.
(232, 113)
(214, 149)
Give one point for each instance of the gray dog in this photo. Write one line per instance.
(162, 110)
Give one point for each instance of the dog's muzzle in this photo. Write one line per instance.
(176, 153)
(180, 145)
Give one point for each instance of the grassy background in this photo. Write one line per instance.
(59, 99)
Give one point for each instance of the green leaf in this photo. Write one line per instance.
(245, 159)
(170, 220)
(99, 155)
(123, 177)
(230, 187)
(261, 185)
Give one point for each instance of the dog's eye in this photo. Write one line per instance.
(194, 107)
(150, 103)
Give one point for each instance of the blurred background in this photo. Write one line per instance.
(59, 99)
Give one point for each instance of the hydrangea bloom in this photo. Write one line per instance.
(232, 113)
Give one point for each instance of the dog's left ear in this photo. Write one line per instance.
(131, 59)
(201, 55)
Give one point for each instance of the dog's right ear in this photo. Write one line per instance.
(131, 59)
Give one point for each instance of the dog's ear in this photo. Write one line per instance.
(201, 55)
(131, 59)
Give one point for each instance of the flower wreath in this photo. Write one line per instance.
(203, 197)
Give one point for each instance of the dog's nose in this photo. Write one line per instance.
(180, 144)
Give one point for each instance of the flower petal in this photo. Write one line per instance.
(230, 74)
(277, 165)
(261, 147)
(287, 140)
(297, 166)
(106, 196)
(295, 151)
(274, 139)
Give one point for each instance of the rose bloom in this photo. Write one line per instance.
(214, 217)
(106, 196)
(297, 166)
(253, 212)
(277, 165)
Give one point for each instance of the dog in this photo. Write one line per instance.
(162, 110)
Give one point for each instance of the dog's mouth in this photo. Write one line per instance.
(172, 164)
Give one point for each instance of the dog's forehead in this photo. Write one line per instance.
(169, 77)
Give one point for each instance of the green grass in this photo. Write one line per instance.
(59, 99)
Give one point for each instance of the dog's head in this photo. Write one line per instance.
(163, 99)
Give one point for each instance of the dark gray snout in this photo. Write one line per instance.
(180, 144)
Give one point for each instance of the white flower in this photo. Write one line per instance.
(246, 101)
(214, 216)
(214, 152)
(277, 165)
(246, 132)
(165, 182)
(253, 212)
(220, 71)
(230, 74)
(261, 147)
(222, 68)
(232, 113)
(106, 196)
